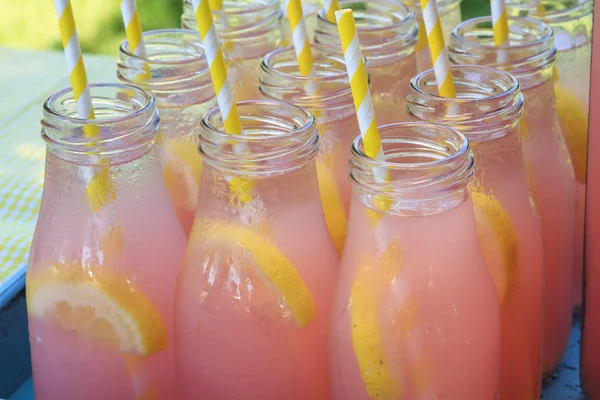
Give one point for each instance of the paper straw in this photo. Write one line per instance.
(437, 49)
(99, 187)
(133, 28)
(218, 72)
(359, 84)
(304, 55)
(331, 6)
(500, 27)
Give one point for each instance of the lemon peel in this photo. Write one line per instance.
(99, 305)
(499, 242)
(276, 267)
(365, 323)
(335, 216)
(573, 118)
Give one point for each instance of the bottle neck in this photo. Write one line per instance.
(571, 20)
(125, 125)
(529, 56)
(247, 28)
(174, 69)
(276, 138)
(327, 94)
(387, 30)
(488, 103)
(427, 168)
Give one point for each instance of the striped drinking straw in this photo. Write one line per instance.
(306, 63)
(225, 99)
(359, 84)
(331, 6)
(133, 28)
(500, 27)
(100, 189)
(437, 49)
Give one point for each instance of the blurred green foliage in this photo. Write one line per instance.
(32, 24)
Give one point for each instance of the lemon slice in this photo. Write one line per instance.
(335, 216)
(574, 122)
(99, 305)
(275, 266)
(365, 325)
(498, 241)
(182, 171)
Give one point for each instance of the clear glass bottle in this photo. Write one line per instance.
(572, 25)
(414, 314)
(450, 16)
(176, 72)
(252, 304)
(329, 98)
(105, 254)
(530, 58)
(248, 29)
(387, 30)
(310, 9)
(487, 110)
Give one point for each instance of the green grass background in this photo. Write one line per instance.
(32, 24)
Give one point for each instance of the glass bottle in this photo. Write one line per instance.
(248, 29)
(450, 16)
(328, 97)
(530, 58)
(487, 111)
(414, 314)
(176, 72)
(105, 254)
(253, 296)
(310, 8)
(572, 25)
(387, 32)
(590, 346)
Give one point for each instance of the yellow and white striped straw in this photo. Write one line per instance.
(359, 84)
(225, 99)
(304, 55)
(331, 6)
(218, 71)
(499, 21)
(99, 188)
(437, 49)
(500, 27)
(133, 28)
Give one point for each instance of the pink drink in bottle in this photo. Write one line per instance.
(176, 72)
(487, 110)
(531, 55)
(105, 255)
(415, 314)
(253, 296)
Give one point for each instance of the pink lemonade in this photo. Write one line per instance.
(572, 25)
(103, 264)
(415, 315)
(590, 345)
(248, 29)
(531, 56)
(387, 32)
(252, 305)
(487, 111)
(328, 97)
(180, 81)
